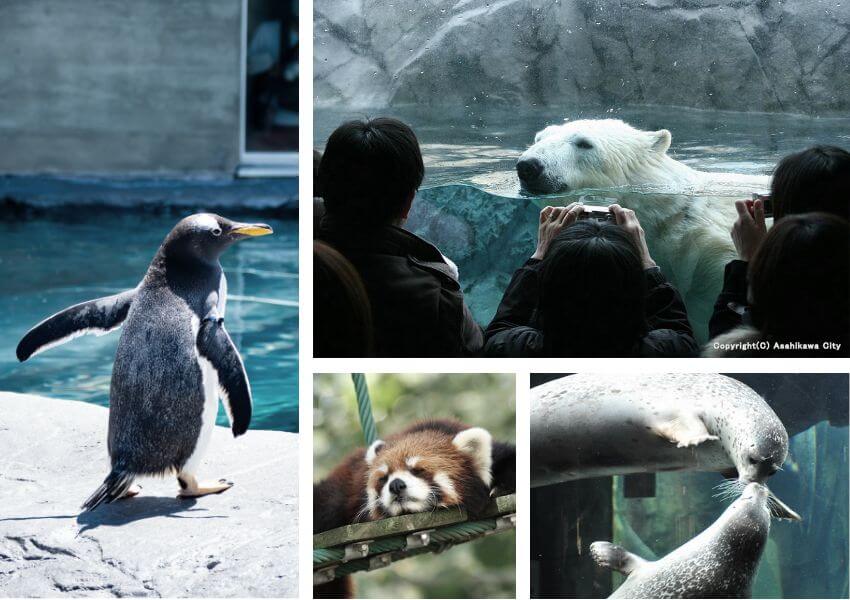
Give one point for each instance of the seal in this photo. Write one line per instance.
(173, 360)
(720, 562)
(594, 425)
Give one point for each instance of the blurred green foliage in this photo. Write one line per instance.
(481, 569)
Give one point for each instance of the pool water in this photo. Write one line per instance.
(471, 207)
(50, 263)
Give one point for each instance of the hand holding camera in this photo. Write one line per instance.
(552, 220)
(750, 228)
(627, 219)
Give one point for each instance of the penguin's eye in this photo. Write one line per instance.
(216, 232)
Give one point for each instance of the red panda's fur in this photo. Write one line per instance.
(342, 498)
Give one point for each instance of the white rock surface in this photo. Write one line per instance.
(750, 55)
(239, 543)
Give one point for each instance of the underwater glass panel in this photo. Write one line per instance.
(471, 207)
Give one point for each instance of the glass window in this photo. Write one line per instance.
(271, 79)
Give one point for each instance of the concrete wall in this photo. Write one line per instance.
(117, 86)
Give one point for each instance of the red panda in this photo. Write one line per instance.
(432, 464)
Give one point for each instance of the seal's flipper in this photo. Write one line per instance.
(617, 558)
(686, 430)
(215, 345)
(780, 510)
(98, 316)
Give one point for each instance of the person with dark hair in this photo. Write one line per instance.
(590, 289)
(317, 183)
(369, 175)
(799, 292)
(342, 319)
(816, 179)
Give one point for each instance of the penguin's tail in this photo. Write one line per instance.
(114, 486)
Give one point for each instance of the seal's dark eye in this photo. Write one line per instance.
(583, 144)
(216, 232)
(754, 461)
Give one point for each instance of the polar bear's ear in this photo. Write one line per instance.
(661, 140)
(545, 132)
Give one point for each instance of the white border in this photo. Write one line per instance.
(305, 300)
(521, 368)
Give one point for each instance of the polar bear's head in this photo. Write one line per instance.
(590, 153)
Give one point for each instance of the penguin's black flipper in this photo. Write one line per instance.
(98, 316)
(215, 345)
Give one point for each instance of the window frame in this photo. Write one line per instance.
(257, 164)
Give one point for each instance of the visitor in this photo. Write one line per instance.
(342, 319)
(591, 288)
(370, 172)
(798, 292)
(816, 179)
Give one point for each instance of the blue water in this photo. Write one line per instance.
(47, 264)
(470, 203)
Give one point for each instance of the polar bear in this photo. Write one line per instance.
(687, 214)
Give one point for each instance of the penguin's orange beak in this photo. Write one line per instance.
(252, 229)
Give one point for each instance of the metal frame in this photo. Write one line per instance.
(257, 164)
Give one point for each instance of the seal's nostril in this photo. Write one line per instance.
(529, 169)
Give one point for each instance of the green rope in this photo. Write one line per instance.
(443, 537)
(364, 408)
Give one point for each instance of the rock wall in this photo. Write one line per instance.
(749, 55)
(241, 543)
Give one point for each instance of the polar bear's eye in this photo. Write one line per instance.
(583, 144)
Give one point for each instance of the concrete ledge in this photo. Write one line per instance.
(241, 543)
(23, 193)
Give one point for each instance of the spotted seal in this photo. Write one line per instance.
(593, 425)
(718, 563)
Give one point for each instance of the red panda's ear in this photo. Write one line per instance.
(373, 450)
(478, 444)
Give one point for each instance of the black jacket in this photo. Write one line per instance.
(416, 301)
(731, 309)
(514, 333)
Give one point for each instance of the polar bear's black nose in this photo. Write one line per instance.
(529, 169)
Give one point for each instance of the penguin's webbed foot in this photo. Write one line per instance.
(132, 491)
(192, 488)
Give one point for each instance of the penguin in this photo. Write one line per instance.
(174, 359)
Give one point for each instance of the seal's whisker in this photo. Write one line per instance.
(728, 489)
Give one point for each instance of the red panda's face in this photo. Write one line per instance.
(424, 470)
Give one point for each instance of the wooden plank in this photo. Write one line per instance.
(405, 524)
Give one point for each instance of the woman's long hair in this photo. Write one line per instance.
(593, 292)
(799, 280)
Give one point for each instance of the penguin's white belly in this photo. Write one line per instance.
(208, 416)
(209, 378)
